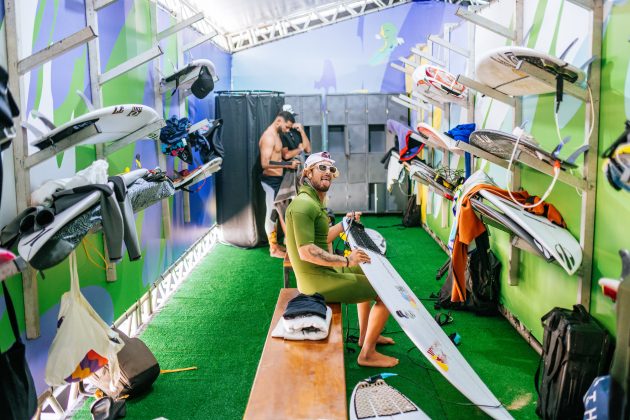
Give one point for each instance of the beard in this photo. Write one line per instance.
(320, 186)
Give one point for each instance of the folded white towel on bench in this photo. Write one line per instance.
(304, 328)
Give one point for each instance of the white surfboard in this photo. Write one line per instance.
(501, 144)
(187, 75)
(198, 174)
(497, 69)
(426, 334)
(378, 400)
(493, 214)
(112, 122)
(556, 240)
(378, 239)
(437, 139)
(438, 84)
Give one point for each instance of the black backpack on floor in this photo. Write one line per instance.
(576, 349)
(483, 282)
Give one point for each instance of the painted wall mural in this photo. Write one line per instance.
(124, 32)
(359, 61)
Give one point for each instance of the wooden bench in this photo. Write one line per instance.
(300, 379)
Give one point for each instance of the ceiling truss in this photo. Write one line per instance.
(302, 22)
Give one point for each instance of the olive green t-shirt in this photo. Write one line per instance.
(307, 223)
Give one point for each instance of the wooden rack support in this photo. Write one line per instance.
(486, 23)
(428, 57)
(441, 42)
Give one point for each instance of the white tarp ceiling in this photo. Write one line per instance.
(229, 16)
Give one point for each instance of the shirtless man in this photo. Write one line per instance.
(270, 146)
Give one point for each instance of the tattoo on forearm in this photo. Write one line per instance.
(318, 253)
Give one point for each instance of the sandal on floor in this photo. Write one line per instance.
(107, 408)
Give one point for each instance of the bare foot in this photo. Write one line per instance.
(382, 340)
(376, 359)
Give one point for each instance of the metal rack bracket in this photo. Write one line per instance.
(148, 130)
(486, 90)
(65, 144)
(439, 41)
(537, 73)
(428, 57)
(179, 26)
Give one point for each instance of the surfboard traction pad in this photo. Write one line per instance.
(501, 144)
(380, 399)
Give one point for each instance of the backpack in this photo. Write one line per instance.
(411, 217)
(483, 281)
(576, 349)
(138, 367)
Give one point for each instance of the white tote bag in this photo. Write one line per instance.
(84, 342)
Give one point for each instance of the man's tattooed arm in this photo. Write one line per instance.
(314, 254)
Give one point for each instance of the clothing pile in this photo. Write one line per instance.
(306, 318)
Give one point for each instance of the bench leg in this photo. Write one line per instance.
(287, 277)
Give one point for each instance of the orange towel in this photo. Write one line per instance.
(469, 227)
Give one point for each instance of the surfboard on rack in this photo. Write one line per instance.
(556, 240)
(184, 77)
(439, 84)
(198, 174)
(426, 175)
(379, 400)
(501, 144)
(112, 123)
(497, 69)
(416, 321)
(437, 139)
(496, 216)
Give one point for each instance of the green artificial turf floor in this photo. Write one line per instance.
(218, 321)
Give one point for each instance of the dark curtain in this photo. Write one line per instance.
(240, 198)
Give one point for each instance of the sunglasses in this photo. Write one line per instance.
(324, 168)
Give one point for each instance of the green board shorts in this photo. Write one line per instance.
(336, 284)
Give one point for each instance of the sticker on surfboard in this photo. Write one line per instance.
(379, 400)
(497, 69)
(439, 84)
(112, 123)
(557, 241)
(425, 333)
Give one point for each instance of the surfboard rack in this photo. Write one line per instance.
(547, 78)
(402, 69)
(486, 23)
(150, 130)
(428, 57)
(441, 42)
(130, 64)
(430, 101)
(198, 175)
(409, 103)
(524, 159)
(486, 90)
(65, 144)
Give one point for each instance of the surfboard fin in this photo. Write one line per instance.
(559, 147)
(88, 104)
(581, 150)
(625, 263)
(383, 375)
(30, 127)
(43, 118)
(587, 63)
(567, 49)
(526, 36)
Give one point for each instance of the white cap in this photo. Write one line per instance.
(288, 108)
(316, 158)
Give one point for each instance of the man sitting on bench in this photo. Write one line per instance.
(337, 278)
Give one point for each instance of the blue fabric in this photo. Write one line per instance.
(174, 130)
(596, 399)
(462, 133)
